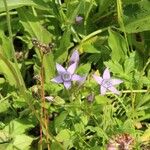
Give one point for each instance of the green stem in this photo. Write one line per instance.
(130, 91)
(121, 22)
(98, 16)
(94, 34)
(146, 65)
(11, 13)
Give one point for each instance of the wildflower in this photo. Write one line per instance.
(74, 57)
(107, 83)
(78, 19)
(121, 142)
(67, 75)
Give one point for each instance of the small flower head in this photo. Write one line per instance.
(90, 97)
(107, 83)
(74, 57)
(78, 19)
(121, 142)
(66, 76)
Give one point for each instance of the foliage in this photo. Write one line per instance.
(36, 113)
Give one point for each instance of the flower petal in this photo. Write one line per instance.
(57, 79)
(60, 68)
(67, 85)
(74, 57)
(78, 78)
(98, 79)
(103, 90)
(115, 81)
(71, 69)
(106, 74)
(114, 90)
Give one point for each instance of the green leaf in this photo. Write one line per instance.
(65, 44)
(89, 48)
(4, 105)
(5, 45)
(79, 127)
(115, 67)
(129, 64)
(8, 70)
(58, 101)
(137, 17)
(59, 121)
(101, 100)
(32, 25)
(4, 137)
(65, 137)
(55, 145)
(73, 10)
(118, 46)
(84, 69)
(17, 127)
(146, 136)
(17, 3)
(22, 142)
(49, 68)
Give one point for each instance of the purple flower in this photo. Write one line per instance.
(67, 75)
(107, 83)
(78, 19)
(74, 57)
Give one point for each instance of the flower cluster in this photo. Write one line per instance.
(66, 76)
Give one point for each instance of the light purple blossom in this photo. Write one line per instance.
(107, 83)
(78, 19)
(66, 76)
(74, 57)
